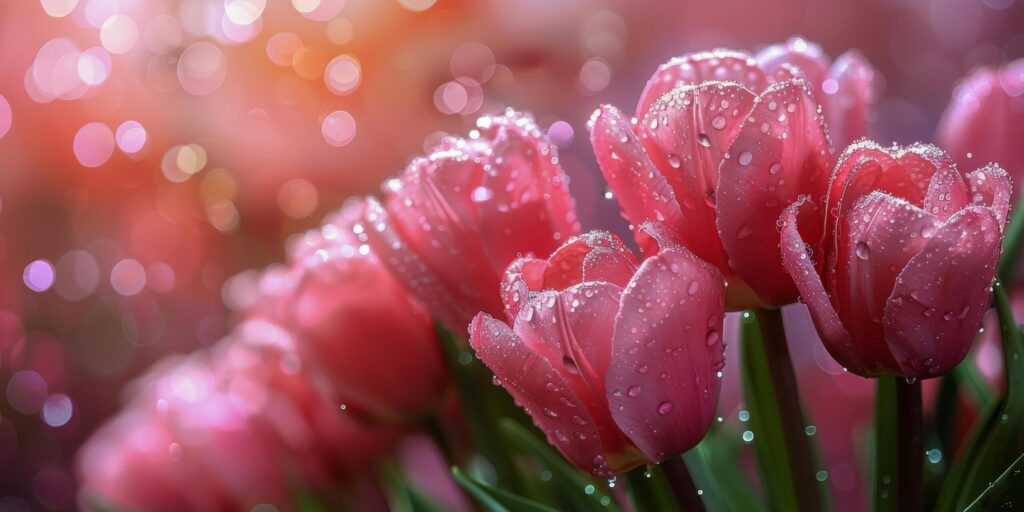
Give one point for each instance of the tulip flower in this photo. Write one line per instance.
(617, 362)
(225, 429)
(722, 144)
(984, 122)
(452, 221)
(376, 346)
(898, 275)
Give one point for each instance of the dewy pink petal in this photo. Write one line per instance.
(780, 154)
(697, 68)
(663, 383)
(847, 95)
(801, 266)
(883, 234)
(537, 386)
(641, 189)
(940, 297)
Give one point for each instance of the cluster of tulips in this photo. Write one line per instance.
(748, 185)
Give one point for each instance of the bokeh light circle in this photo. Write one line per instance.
(93, 144)
(5, 116)
(338, 128)
(39, 275)
(281, 48)
(128, 277)
(244, 12)
(58, 8)
(342, 74)
(202, 68)
(119, 34)
(131, 137)
(94, 66)
(417, 5)
(26, 392)
(318, 10)
(57, 410)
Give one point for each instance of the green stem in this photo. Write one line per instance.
(909, 445)
(784, 450)
(681, 484)
(886, 456)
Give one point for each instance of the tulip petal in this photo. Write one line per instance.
(666, 351)
(780, 153)
(947, 193)
(866, 167)
(884, 234)
(990, 186)
(566, 266)
(686, 134)
(696, 68)
(522, 277)
(542, 390)
(445, 304)
(642, 191)
(847, 95)
(572, 329)
(806, 56)
(801, 266)
(522, 185)
(940, 297)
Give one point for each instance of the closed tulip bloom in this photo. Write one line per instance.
(376, 346)
(984, 122)
(617, 362)
(453, 220)
(897, 275)
(226, 429)
(717, 162)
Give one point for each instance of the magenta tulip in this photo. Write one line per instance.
(898, 275)
(722, 144)
(375, 345)
(619, 363)
(984, 122)
(452, 221)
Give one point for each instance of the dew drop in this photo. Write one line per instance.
(718, 122)
(775, 168)
(713, 337)
(633, 391)
(862, 250)
(673, 160)
(744, 232)
(703, 140)
(692, 288)
(665, 408)
(745, 158)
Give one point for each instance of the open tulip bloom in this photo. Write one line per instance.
(618, 362)
(739, 195)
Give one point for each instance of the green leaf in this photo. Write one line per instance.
(886, 453)
(495, 499)
(648, 489)
(1005, 492)
(764, 370)
(714, 465)
(472, 384)
(408, 497)
(1013, 236)
(967, 373)
(571, 483)
(999, 438)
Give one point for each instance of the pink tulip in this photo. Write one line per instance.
(618, 363)
(241, 424)
(377, 347)
(722, 144)
(897, 276)
(452, 221)
(985, 120)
